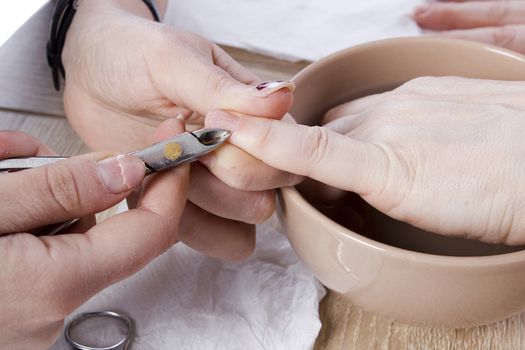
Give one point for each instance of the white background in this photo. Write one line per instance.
(14, 13)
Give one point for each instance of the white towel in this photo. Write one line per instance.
(186, 301)
(294, 29)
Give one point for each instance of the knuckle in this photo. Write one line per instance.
(314, 144)
(504, 36)
(498, 11)
(62, 188)
(265, 136)
(417, 85)
(220, 82)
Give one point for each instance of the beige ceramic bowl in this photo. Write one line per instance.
(402, 274)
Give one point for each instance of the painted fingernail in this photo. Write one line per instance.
(222, 120)
(121, 173)
(269, 87)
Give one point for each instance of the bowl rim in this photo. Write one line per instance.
(407, 41)
(293, 194)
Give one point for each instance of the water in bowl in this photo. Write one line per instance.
(351, 211)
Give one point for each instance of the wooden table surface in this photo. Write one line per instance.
(29, 103)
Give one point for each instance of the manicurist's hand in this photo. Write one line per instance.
(43, 279)
(496, 22)
(126, 73)
(443, 154)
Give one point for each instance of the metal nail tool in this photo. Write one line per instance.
(177, 150)
(180, 149)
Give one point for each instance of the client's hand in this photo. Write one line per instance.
(43, 279)
(444, 154)
(126, 73)
(497, 22)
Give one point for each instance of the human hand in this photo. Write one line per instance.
(43, 279)
(443, 154)
(496, 22)
(125, 73)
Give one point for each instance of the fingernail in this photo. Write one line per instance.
(180, 117)
(222, 120)
(269, 87)
(422, 10)
(121, 173)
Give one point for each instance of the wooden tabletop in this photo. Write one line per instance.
(29, 103)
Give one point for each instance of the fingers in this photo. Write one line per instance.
(441, 16)
(215, 236)
(67, 189)
(124, 243)
(207, 80)
(498, 23)
(240, 170)
(344, 125)
(310, 151)
(18, 144)
(213, 195)
(510, 36)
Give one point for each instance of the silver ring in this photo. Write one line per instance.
(121, 344)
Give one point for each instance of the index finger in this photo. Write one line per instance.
(509, 37)
(18, 144)
(315, 152)
(465, 15)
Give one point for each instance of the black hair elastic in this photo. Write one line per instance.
(62, 18)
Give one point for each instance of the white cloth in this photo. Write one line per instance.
(294, 29)
(185, 301)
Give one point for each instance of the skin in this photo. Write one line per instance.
(126, 73)
(443, 154)
(43, 279)
(496, 22)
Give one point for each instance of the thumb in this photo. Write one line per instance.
(221, 83)
(68, 189)
(126, 242)
(316, 152)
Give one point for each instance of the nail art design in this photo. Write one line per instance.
(270, 87)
